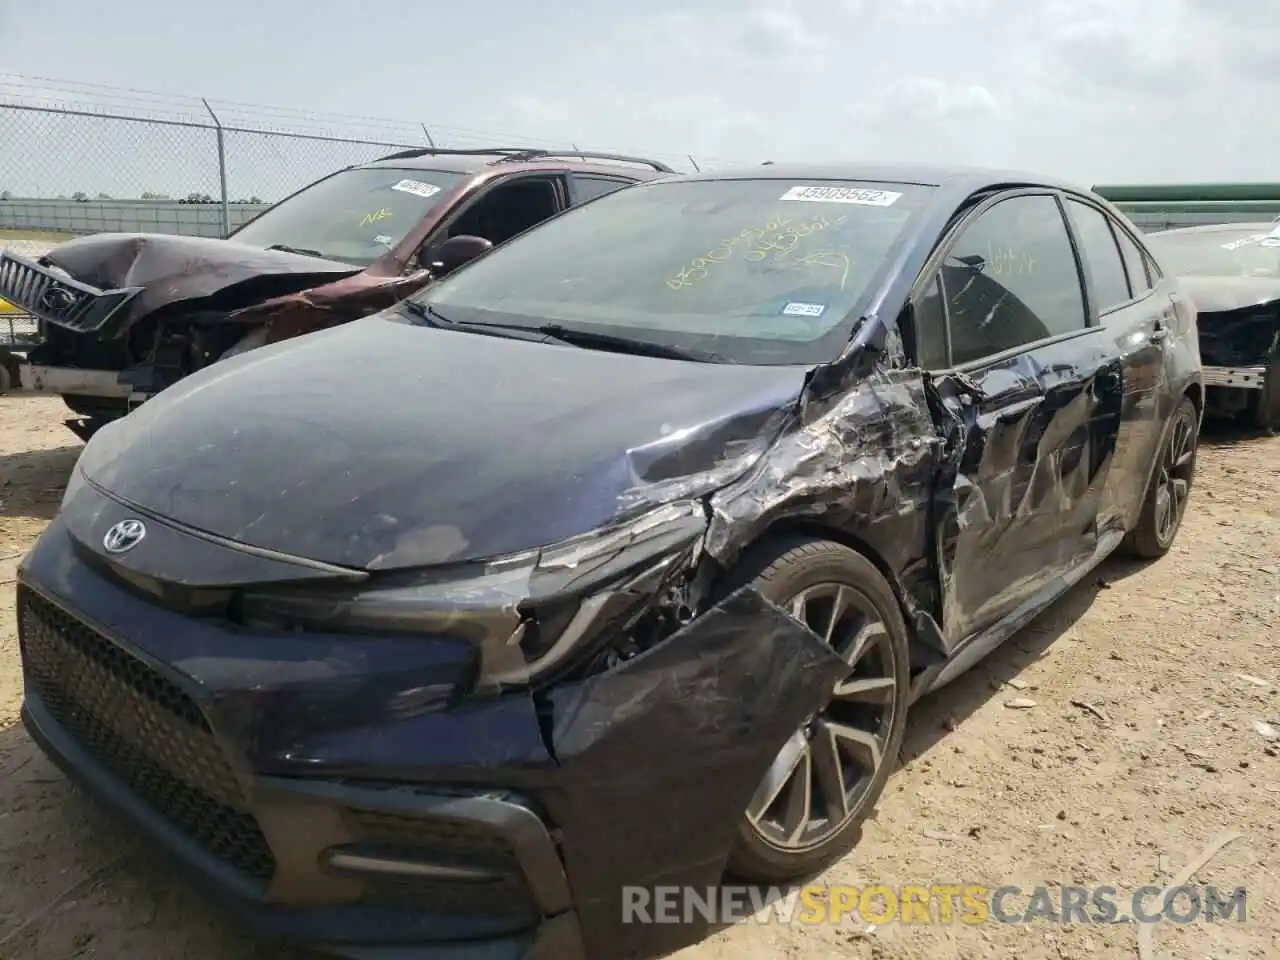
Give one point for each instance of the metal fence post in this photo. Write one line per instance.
(222, 168)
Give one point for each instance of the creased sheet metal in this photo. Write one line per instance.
(1028, 453)
(659, 758)
(178, 269)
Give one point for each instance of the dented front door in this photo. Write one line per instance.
(1032, 389)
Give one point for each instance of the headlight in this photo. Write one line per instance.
(526, 613)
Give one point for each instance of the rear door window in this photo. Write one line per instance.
(1136, 262)
(585, 187)
(1101, 254)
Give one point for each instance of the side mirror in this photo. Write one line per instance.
(453, 253)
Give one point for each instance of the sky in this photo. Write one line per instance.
(1097, 91)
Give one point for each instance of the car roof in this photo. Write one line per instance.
(950, 177)
(498, 160)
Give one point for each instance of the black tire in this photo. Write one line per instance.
(782, 569)
(1265, 409)
(1154, 533)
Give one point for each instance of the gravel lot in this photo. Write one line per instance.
(1140, 744)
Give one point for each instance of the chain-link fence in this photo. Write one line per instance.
(84, 158)
(74, 171)
(81, 158)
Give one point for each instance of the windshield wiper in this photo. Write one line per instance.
(562, 334)
(303, 251)
(612, 342)
(620, 344)
(428, 313)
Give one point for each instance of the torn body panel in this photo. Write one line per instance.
(1241, 337)
(325, 306)
(141, 312)
(1019, 499)
(858, 463)
(659, 758)
(171, 270)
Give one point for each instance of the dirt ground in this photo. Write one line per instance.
(1150, 690)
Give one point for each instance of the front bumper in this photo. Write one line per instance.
(297, 784)
(309, 817)
(41, 378)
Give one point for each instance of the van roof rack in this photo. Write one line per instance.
(526, 155)
(445, 152)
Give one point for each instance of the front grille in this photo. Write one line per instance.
(141, 727)
(57, 299)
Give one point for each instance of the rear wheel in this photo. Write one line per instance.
(809, 809)
(1170, 487)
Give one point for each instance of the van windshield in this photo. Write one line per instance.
(354, 216)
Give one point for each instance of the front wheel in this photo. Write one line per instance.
(1170, 487)
(809, 809)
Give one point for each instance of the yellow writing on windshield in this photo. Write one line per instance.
(776, 240)
(1010, 262)
(370, 218)
(832, 259)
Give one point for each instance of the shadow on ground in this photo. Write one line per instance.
(76, 884)
(1222, 432)
(32, 481)
(934, 715)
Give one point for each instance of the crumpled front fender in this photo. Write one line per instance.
(659, 758)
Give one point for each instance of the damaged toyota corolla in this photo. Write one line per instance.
(1232, 272)
(621, 561)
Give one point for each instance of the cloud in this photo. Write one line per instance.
(771, 30)
(1092, 90)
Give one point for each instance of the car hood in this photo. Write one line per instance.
(381, 444)
(1221, 294)
(173, 269)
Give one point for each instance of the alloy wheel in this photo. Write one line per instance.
(1173, 481)
(821, 777)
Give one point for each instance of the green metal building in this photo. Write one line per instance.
(1165, 206)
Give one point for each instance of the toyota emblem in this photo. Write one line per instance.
(58, 299)
(124, 536)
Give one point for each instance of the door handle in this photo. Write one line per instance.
(1160, 332)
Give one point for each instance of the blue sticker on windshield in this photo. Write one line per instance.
(804, 309)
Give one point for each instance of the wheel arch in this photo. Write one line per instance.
(1195, 390)
(921, 653)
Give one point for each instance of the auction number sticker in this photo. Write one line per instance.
(858, 195)
(416, 187)
(804, 309)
